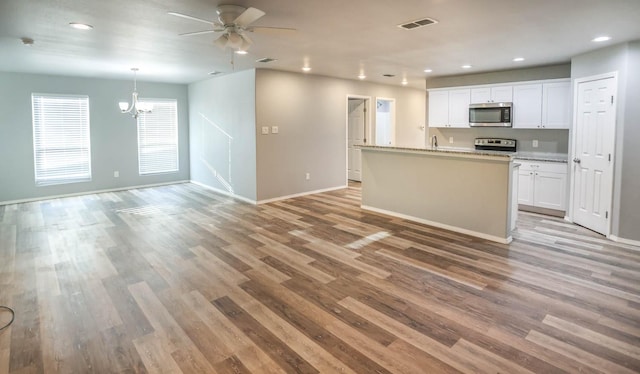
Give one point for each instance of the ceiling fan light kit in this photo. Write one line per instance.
(233, 22)
(136, 107)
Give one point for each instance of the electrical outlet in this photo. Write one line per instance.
(451, 140)
(116, 174)
(534, 144)
(307, 176)
(265, 130)
(274, 129)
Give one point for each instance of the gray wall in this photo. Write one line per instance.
(311, 113)
(624, 59)
(555, 141)
(113, 134)
(223, 133)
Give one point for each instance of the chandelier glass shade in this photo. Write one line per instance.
(136, 107)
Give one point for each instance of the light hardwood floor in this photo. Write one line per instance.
(180, 279)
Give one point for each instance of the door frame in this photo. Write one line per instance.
(368, 125)
(393, 118)
(574, 140)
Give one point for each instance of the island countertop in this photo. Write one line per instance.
(446, 151)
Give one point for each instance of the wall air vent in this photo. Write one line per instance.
(388, 75)
(266, 60)
(418, 23)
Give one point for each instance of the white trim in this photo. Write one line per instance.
(626, 241)
(51, 197)
(223, 192)
(574, 140)
(302, 194)
(460, 230)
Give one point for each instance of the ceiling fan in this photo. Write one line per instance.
(233, 22)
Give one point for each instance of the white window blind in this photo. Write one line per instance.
(61, 141)
(158, 138)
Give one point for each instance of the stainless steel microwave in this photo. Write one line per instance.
(490, 115)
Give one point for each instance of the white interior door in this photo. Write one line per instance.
(593, 153)
(356, 135)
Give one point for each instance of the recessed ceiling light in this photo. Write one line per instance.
(518, 59)
(362, 76)
(306, 68)
(80, 26)
(241, 52)
(466, 66)
(428, 70)
(601, 39)
(404, 82)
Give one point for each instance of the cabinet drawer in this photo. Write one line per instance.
(547, 167)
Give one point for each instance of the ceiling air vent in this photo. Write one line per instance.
(266, 60)
(418, 23)
(388, 75)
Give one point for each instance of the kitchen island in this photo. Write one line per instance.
(467, 191)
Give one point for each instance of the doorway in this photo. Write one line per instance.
(357, 134)
(385, 121)
(593, 151)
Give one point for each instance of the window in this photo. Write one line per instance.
(158, 138)
(61, 141)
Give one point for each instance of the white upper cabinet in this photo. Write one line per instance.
(527, 106)
(502, 94)
(459, 101)
(438, 108)
(449, 108)
(495, 94)
(556, 105)
(536, 104)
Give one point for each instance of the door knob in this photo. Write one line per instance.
(576, 160)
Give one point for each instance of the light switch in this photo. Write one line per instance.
(274, 129)
(534, 144)
(265, 130)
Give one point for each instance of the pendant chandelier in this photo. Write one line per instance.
(136, 107)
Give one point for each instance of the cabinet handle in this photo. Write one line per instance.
(531, 173)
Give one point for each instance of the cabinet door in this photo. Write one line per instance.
(550, 190)
(459, 107)
(525, 186)
(556, 105)
(438, 108)
(502, 94)
(480, 95)
(527, 106)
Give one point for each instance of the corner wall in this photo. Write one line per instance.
(311, 114)
(113, 134)
(222, 130)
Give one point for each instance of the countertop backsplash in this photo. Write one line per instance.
(549, 141)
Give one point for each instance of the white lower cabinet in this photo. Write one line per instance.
(542, 184)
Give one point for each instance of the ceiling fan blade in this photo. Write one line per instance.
(192, 18)
(271, 30)
(222, 41)
(199, 32)
(248, 16)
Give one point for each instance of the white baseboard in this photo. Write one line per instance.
(480, 235)
(625, 241)
(301, 194)
(50, 197)
(223, 192)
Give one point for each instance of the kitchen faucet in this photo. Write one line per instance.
(434, 142)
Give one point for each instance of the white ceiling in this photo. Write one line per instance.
(336, 37)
